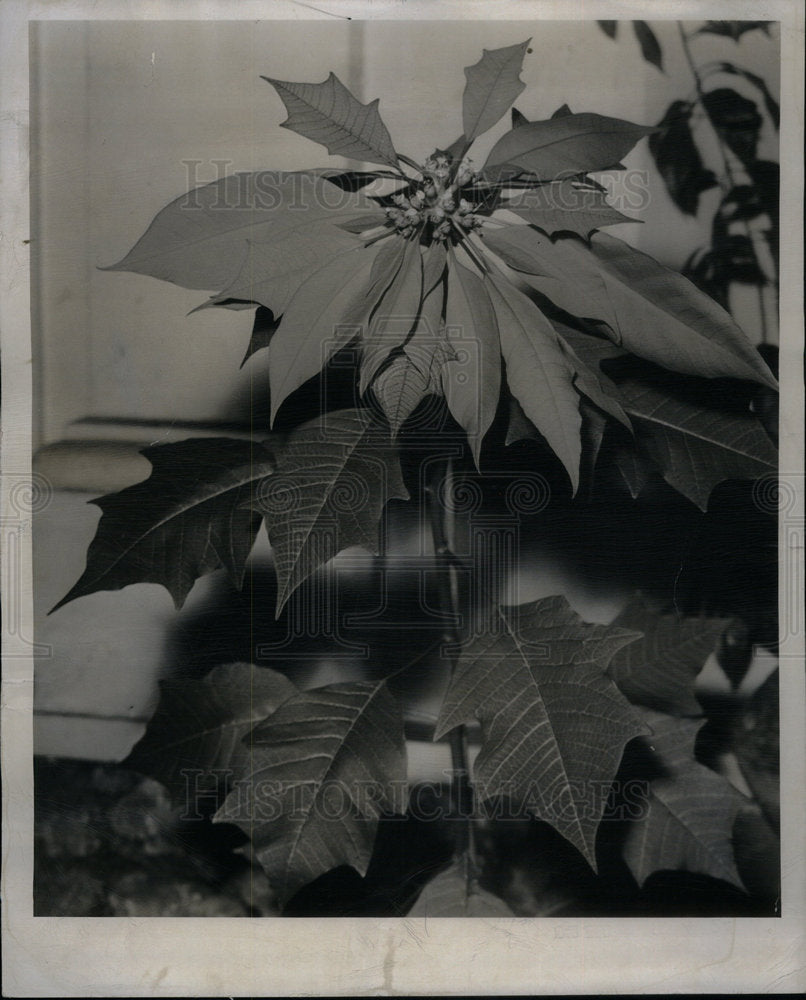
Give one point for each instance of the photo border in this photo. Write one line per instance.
(73, 957)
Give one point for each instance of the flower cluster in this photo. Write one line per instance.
(435, 208)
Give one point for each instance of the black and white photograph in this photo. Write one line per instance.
(403, 499)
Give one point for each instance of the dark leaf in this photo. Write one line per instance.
(554, 726)
(690, 813)
(200, 239)
(695, 446)
(562, 112)
(633, 470)
(334, 477)
(594, 423)
(660, 669)
(609, 28)
(457, 149)
(354, 180)
(519, 426)
(650, 48)
(678, 159)
(766, 177)
(454, 894)
(187, 519)
(736, 121)
(493, 83)
(197, 730)
(733, 29)
(324, 767)
(328, 114)
(538, 373)
(757, 745)
(561, 147)
(518, 119)
(772, 106)
(263, 329)
(650, 310)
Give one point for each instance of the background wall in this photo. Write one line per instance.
(128, 115)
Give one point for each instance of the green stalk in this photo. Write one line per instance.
(461, 788)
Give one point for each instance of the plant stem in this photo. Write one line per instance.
(461, 790)
(730, 176)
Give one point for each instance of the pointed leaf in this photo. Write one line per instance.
(187, 519)
(633, 470)
(538, 373)
(518, 118)
(678, 159)
(322, 317)
(650, 49)
(328, 114)
(334, 477)
(327, 764)
(572, 144)
(385, 267)
(651, 311)
(695, 446)
(609, 28)
(199, 726)
(456, 150)
(566, 206)
(471, 379)
(272, 272)
(416, 372)
(594, 424)
(493, 83)
(662, 289)
(200, 239)
(589, 381)
(400, 388)
(353, 180)
(453, 894)
(695, 449)
(427, 347)
(660, 669)
(263, 329)
(691, 811)
(519, 426)
(395, 315)
(435, 262)
(554, 726)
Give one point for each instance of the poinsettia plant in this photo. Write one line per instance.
(491, 291)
